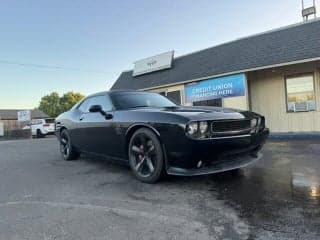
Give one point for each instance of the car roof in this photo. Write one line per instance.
(114, 92)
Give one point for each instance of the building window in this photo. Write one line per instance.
(174, 96)
(300, 93)
(213, 102)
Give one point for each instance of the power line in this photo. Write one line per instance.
(53, 67)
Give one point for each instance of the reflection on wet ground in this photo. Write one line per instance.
(280, 195)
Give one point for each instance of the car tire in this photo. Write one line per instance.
(39, 134)
(146, 157)
(68, 152)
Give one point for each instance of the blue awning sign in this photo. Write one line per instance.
(222, 87)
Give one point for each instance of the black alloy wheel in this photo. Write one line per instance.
(66, 149)
(146, 156)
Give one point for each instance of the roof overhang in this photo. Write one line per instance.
(235, 72)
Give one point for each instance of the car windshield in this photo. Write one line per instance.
(129, 100)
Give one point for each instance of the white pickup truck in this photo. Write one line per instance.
(41, 127)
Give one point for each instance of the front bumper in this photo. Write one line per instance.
(216, 155)
(227, 165)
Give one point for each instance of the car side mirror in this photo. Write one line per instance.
(98, 108)
(108, 116)
(95, 108)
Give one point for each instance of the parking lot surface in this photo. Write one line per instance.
(44, 197)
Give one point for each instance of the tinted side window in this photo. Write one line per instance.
(101, 100)
(97, 100)
(84, 106)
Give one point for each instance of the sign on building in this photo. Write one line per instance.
(155, 63)
(24, 116)
(308, 11)
(222, 87)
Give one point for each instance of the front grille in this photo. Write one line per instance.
(229, 125)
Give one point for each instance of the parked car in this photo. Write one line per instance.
(41, 127)
(156, 136)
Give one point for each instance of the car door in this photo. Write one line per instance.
(94, 129)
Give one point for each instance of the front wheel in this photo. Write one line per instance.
(67, 151)
(146, 156)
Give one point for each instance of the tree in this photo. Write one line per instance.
(69, 99)
(50, 104)
(53, 104)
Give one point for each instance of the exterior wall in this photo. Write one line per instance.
(266, 94)
(268, 97)
(236, 102)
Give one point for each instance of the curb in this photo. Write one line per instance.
(289, 136)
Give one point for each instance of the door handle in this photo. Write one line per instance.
(81, 118)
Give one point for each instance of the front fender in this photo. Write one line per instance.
(135, 126)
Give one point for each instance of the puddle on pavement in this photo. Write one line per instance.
(282, 194)
(308, 185)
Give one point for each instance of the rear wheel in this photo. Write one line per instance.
(68, 152)
(39, 134)
(146, 156)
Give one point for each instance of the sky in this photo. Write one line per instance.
(84, 45)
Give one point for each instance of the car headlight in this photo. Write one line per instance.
(192, 128)
(254, 122)
(203, 127)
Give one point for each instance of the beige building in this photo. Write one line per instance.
(273, 90)
(276, 74)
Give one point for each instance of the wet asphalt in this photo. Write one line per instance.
(44, 197)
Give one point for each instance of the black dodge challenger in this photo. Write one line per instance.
(156, 136)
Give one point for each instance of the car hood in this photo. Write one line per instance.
(204, 112)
